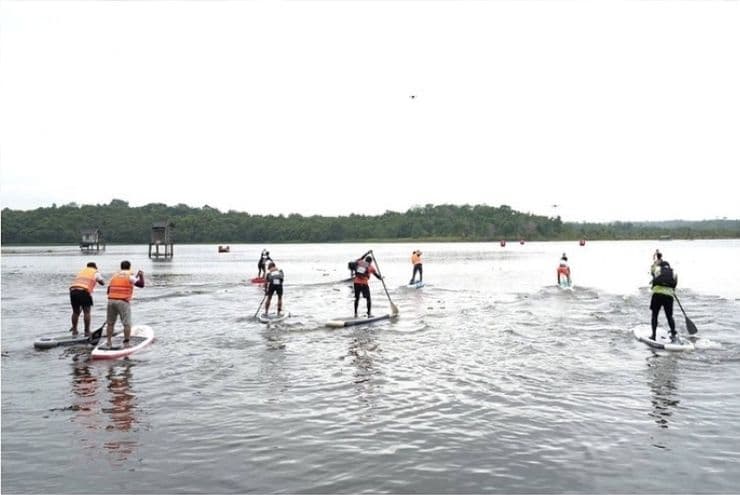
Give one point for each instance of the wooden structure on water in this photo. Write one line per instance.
(162, 236)
(91, 240)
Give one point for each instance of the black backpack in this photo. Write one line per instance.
(666, 277)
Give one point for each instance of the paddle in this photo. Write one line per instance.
(260, 306)
(689, 324)
(393, 306)
(95, 336)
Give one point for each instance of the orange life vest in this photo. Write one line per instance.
(85, 279)
(120, 286)
(362, 272)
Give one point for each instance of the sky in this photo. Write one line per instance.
(594, 110)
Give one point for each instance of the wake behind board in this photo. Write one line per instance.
(662, 339)
(564, 284)
(60, 340)
(351, 320)
(141, 336)
(272, 317)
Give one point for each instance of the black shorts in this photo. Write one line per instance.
(80, 298)
(363, 289)
(271, 289)
(662, 300)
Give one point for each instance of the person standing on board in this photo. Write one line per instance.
(80, 295)
(564, 272)
(274, 283)
(416, 262)
(120, 292)
(262, 263)
(663, 283)
(363, 269)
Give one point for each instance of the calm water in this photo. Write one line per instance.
(491, 380)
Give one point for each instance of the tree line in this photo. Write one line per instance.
(120, 223)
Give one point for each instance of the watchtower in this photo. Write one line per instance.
(91, 239)
(163, 234)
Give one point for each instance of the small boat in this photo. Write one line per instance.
(224, 249)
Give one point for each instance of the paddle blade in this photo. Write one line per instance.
(95, 336)
(690, 327)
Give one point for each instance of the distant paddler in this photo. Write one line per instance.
(564, 272)
(417, 264)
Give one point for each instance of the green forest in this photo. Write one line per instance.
(120, 223)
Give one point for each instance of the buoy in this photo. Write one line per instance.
(521, 241)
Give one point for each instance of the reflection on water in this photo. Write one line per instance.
(103, 400)
(662, 380)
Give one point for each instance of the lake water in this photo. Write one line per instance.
(491, 380)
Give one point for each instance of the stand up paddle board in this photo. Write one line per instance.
(417, 285)
(272, 317)
(49, 341)
(258, 280)
(141, 336)
(361, 320)
(60, 340)
(662, 339)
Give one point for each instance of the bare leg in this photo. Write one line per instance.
(86, 319)
(109, 333)
(75, 319)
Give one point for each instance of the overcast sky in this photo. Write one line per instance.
(612, 110)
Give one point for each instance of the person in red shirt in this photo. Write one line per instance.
(363, 269)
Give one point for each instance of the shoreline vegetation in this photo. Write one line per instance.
(120, 223)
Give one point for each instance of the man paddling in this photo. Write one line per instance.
(262, 263)
(663, 284)
(363, 270)
(274, 283)
(563, 271)
(417, 264)
(120, 292)
(80, 295)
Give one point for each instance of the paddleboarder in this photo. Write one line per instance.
(563, 270)
(416, 262)
(363, 269)
(274, 283)
(120, 292)
(262, 263)
(663, 284)
(80, 295)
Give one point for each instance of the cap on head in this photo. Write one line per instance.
(92, 265)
